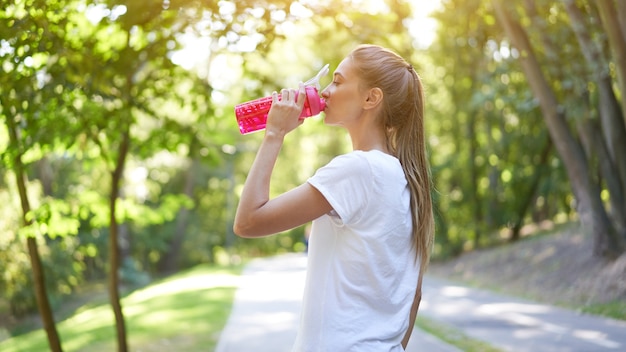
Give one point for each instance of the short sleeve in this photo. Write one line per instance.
(346, 183)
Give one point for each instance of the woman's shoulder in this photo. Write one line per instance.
(376, 160)
(354, 158)
(366, 164)
(369, 156)
(345, 165)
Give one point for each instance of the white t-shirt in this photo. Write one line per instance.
(362, 273)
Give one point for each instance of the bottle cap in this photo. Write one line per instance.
(315, 81)
(316, 103)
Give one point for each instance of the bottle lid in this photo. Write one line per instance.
(315, 81)
(316, 103)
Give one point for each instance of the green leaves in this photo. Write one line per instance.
(52, 218)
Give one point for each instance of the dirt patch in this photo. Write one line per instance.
(557, 268)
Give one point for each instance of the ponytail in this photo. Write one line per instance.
(403, 120)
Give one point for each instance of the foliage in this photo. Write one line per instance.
(84, 78)
(601, 132)
(494, 163)
(98, 68)
(151, 308)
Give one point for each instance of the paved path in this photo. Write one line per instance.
(513, 324)
(265, 316)
(266, 311)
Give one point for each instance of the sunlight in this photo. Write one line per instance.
(197, 49)
(95, 13)
(91, 318)
(499, 308)
(423, 27)
(509, 312)
(191, 283)
(454, 291)
(597, 337)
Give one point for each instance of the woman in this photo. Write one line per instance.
(371, 209)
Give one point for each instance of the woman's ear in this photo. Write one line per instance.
(374, 98)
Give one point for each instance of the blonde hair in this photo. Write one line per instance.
(402, 117)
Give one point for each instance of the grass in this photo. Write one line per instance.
(186, 311)
(615, 309)
(453, 336)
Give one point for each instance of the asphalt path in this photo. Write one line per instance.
(265, 316)
(514, 324)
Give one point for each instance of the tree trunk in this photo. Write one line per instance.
(621, 16)
(612, 27)
(594, 143)
(612, 121)
(171, 261)
(531, 193)
(41, 295)
(114, 260)
(473, 189)
(45, 174)
(592, 214)
(493, 215)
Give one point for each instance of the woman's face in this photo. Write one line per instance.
(344, 98)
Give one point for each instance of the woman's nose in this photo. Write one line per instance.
(324, 93)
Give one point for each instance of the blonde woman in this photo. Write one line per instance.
(373, 225)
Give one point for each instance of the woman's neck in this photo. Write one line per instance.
(368, 137)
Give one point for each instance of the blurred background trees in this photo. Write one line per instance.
(121, 157)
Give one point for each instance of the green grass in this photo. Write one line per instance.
(184, 312)
(187, 311)
(615, 309)
(453, 336)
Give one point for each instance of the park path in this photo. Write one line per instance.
(265, 316)
(266, 310)
(518, 325)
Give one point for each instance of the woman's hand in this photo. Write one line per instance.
(258, 215)
(284, 115)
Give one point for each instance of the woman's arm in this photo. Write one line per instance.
(257, 215)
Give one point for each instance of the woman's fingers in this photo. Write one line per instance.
(289, 94)
(301, 93)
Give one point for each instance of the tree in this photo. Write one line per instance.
(130, 44)
(27, 100)
(612, 139)
(38, 272)
(608, 240)
(493, 165)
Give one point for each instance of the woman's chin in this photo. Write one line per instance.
(329, 120)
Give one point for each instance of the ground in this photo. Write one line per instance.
(557, 268)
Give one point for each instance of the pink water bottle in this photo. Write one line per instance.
(252, 115)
